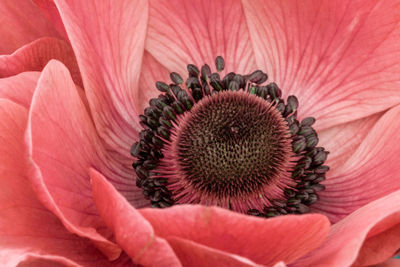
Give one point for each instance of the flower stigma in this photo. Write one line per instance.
(231, 142)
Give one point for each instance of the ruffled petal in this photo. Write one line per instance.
(63, 144)
(370, 173)
(22, 22)
(108, 40)
(194, 254)
(28, 231)
(19, 88)
(340, 58)
(132, 231)
(263, 241)
(34, 56)
(368, 236)
(182, 32)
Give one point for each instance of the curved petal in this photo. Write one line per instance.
(132, 232)
(375, 238)
(62, 146)
(343, 140)
(27, 229)
(341, 58)
(34, 56)
(50, 11)
(22, 22)
(285, 238)
(193, 254)
(182, 32)
(151, 72)
(370, 173)
(19, 88)
(108, 40)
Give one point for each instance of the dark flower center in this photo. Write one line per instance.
(231, 142)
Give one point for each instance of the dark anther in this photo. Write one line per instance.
(193, 70)
(274, 91)
(308, 121)
(163, 87)
(258, 77)
(205, 72)
(219, 63)
(176, 78)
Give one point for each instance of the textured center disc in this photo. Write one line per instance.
(232, 143)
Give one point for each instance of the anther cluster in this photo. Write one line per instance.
(171, 172)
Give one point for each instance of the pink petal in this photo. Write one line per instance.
(108, 40)
(22, 22)
(193, 254)
(27, 229)
(370, 173)
(50, 11)
(339, 57)
(132, 232)
(368, 236)
(182, 32)
(263, 241)
(389, 263)
(342, 140)
(63, 144)
(34, 56)
(151, 72)
(19, 88)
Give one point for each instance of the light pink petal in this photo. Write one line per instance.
(182, 32)
(50, 11)
(263, 241)
(368, 236)
(63, 144)
(27, 229)
(151, 72)
(343, 140)
(34, 56)
(194, 254)
(370, 173)
(19, 88)
(21, 23)
(132, 231)
(108, 40)
(341, 58)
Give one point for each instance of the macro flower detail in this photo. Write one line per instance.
(230, 142)
(77, 91)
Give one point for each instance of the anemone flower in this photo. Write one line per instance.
(227, 157)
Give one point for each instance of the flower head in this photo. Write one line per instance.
(76, 79)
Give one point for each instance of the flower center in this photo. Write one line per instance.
(231, 142)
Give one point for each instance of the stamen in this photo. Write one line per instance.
(231, 142)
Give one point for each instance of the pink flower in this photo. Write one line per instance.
(67, 188)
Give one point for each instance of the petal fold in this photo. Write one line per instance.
(22, 22)
(370, 173)
(368, 236)
(285, 238)
(108, 40)
(132, 231)
(28, 231)
(340, 58)
(193, 254)
(34, 56)
(19, 88)
(63, 144)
